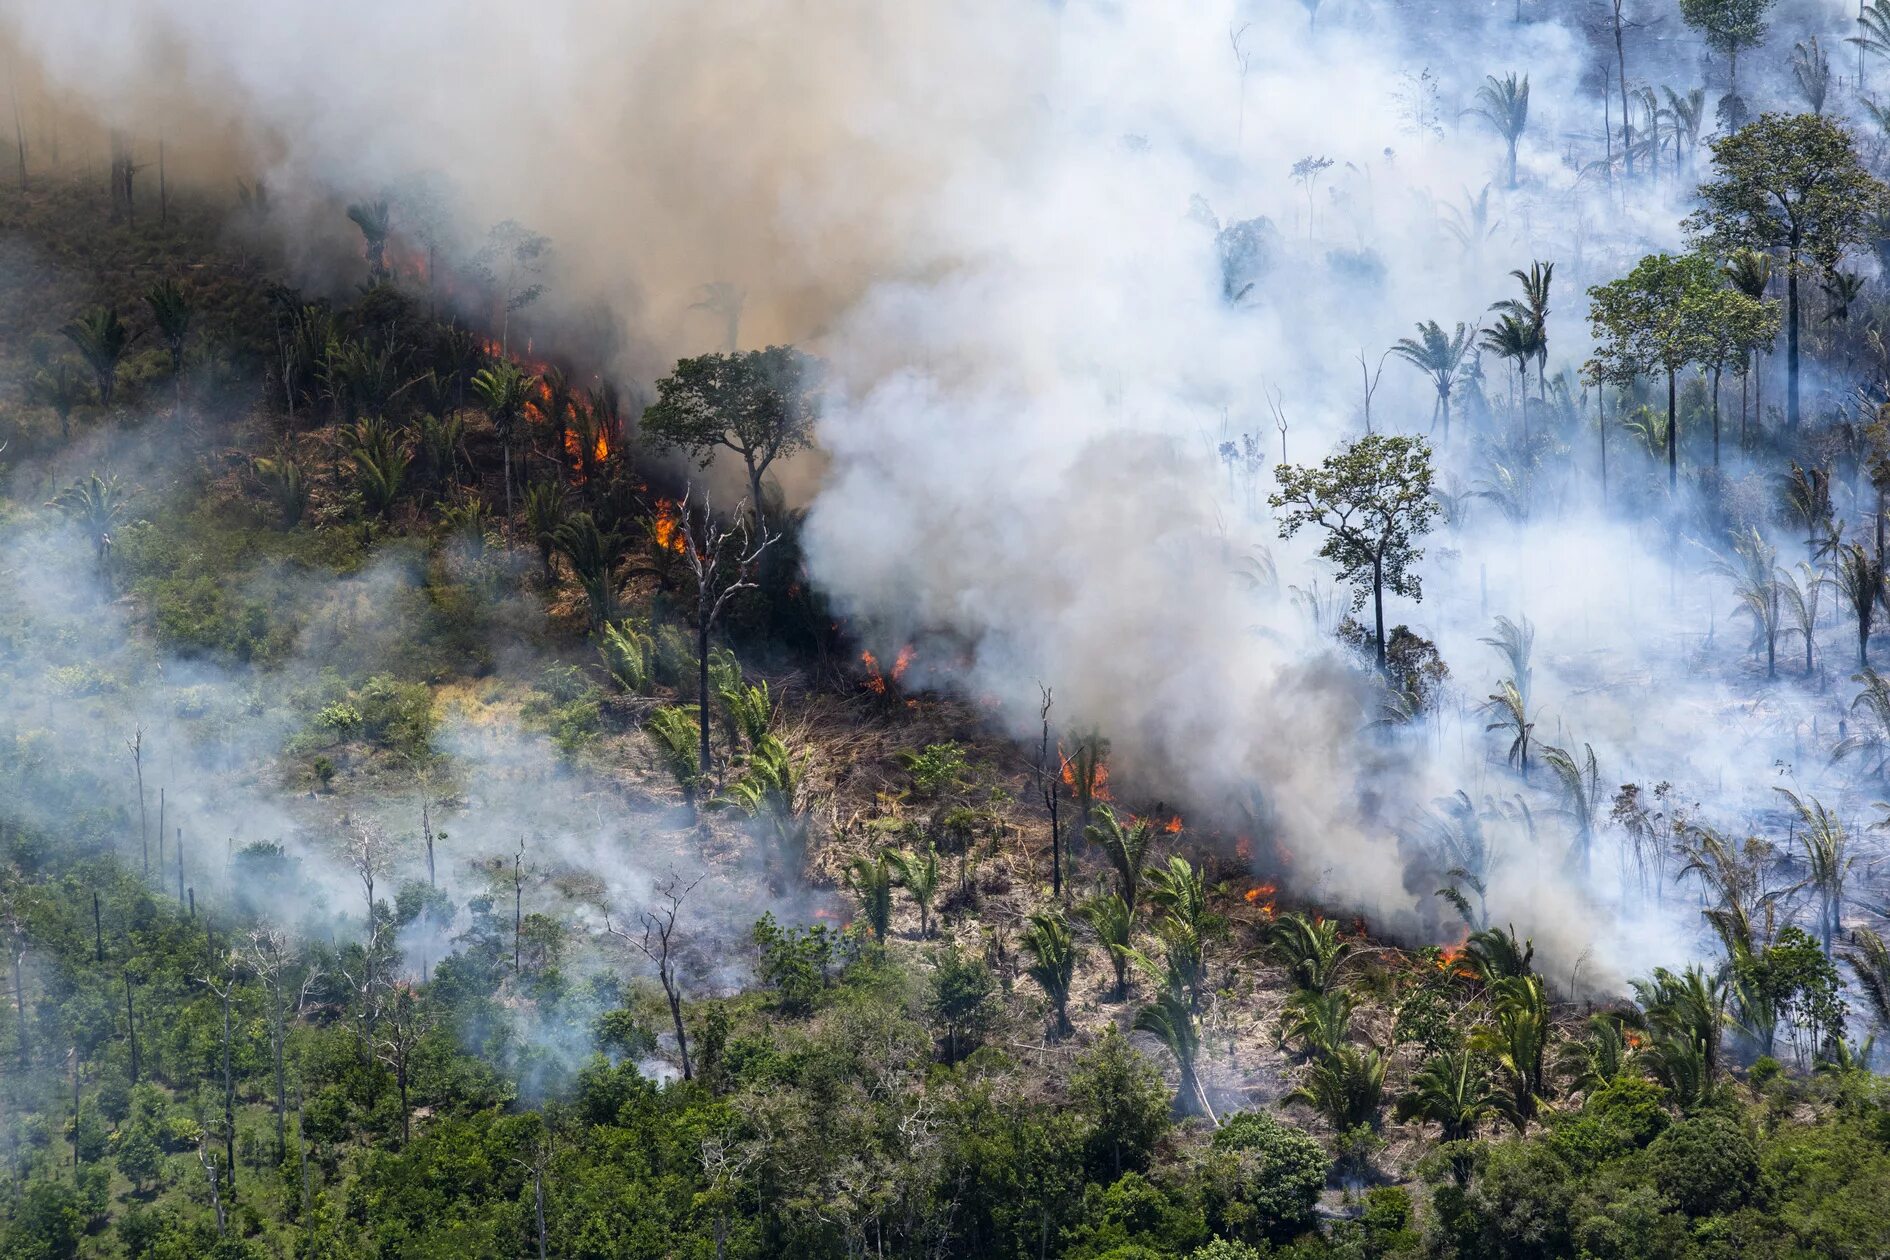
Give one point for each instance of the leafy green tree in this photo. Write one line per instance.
(760, 404)
(962, 999)
(1372, 497)
(1504, 104)
(1516, 1040)
(1652, 320)
(1728, 26)
(1790, 183)
(1731, 327)
(1278, 1172)
(1705, 1164)
(1122, 1096)
(101, 339)
(1439, 356)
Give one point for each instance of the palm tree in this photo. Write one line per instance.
(1869, 957)
(1512, 337)
(1828, 861)
(1113, 921)
(1515, 642)
(546, 505)
(918, 874)
(1873, 22)
(1440, 357)
(503, 390)
(1451, 1090)
(1733, 878)
(1504, 104)
(372, 218)
(1311, 951)
(1598, 1059)
(870, 880)
(1052, 952)
(1170, 1019)
(1497, 955)
(171, 311)
(1580, 781)
(1517, 1041)
(1687, 1014)
(97, 505)
(1870, 737)
(1860, 577)
(1688, 113)
(102, 339)
(1316, 1024)
(1511, 715)
(593, 553)
(1346, 1087)
(1801, 603)
(61, 388)
(1755, 579)
(1533, 309)
(1843, 288)
(381, 459)
(1126, 848)
(1811, 70)
(673, 731)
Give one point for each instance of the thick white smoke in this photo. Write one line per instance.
(1002, 223)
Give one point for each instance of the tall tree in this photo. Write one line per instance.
(759, 404)
(102, 339)
(503, 389)
(1533, 309)
(1372, 497)
(374, 220)
(1504, 104)
(1440, 357)
(171, 311)
(1727, 26)
(1650, 320)
(1790, 183)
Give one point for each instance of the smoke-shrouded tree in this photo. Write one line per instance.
(759, 404)
(1792, 184)
(171, 311)
(1504, 104)
(102, 339)
(503, 389)
(1727, 26)
(1439, 356)
(374, 220)
(1532, 308)
(1372, 497)
(1654, 319)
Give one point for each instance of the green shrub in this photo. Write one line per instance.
(1264, 1177)
(1705, 1163)
(396, 715)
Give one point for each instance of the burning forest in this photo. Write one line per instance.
(1105, 631)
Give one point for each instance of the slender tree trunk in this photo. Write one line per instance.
(1791, 336)
(1673, 435)
(675, 1015)
(1627, 127)
(19, 1002)
(229, 1094)
(1601, 433)
(1716, 373)
(131, 1029)
(98, 928)
(1378, 606)
(282, 1093)
(703, 762)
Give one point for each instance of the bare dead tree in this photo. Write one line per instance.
(1276, 403)
(406, 1024)
(721, 559)
(1243, 61)
(209, 1163)
(367, 854)
(1048, 772)
(270, 956)
(538, 1165)
(658, 943)
(518, 903)
(136, 745)
(223, 984)
(1370, 379)
(131, 1028)
(15, 929)
(724, 1165)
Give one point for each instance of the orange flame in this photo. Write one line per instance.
(875, 681)
(667, 527)
(1261, 896)
(1099, 787)
(1173, 826)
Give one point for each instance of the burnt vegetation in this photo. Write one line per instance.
(786, 950)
